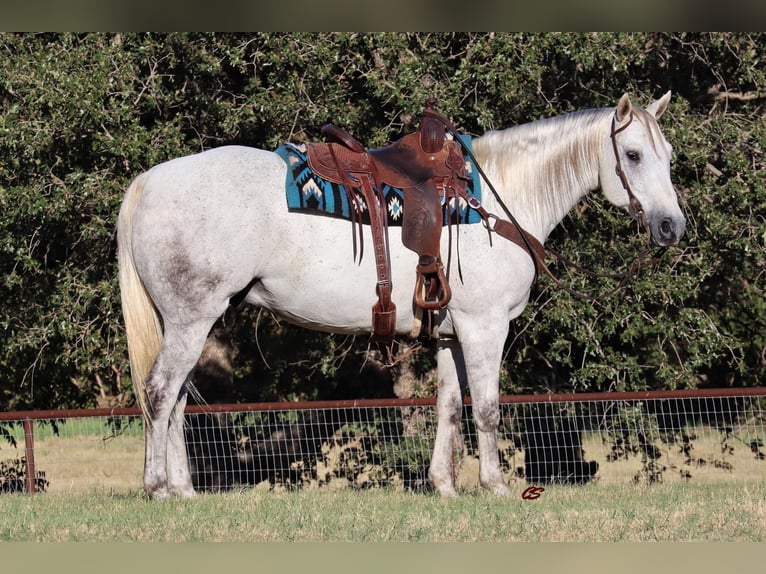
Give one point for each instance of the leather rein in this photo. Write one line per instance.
(512, 230)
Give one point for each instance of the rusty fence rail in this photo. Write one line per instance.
(711, 434)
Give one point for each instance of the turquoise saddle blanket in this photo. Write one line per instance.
(310, 193)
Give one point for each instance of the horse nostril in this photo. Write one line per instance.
(666, 228)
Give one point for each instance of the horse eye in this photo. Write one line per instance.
(633, 155)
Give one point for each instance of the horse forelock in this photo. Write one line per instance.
(543, 167)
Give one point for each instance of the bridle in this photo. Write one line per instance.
(635, 208)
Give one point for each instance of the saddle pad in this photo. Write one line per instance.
(308, 192)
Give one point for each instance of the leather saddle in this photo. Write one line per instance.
(429, 169)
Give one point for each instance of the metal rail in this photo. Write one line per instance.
(392, 402)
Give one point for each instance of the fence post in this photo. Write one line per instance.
(29, 448)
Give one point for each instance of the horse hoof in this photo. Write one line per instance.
(499, 488)
(159, 494)
(448, 492)
(186, 493)
(442, 484)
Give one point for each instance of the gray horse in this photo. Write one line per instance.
(196, 231)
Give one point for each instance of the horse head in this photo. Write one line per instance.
(635, 169)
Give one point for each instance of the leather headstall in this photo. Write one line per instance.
(635, 207)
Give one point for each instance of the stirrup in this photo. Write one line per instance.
(437, 294)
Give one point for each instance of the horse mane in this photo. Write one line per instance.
(544, 167)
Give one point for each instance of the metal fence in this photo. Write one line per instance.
(569, 439)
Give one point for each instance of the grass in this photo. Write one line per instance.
(85, 456)
(592, 513)
(94, 495)
(709, 461)
(81, 460)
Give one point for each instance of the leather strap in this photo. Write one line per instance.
(636, 209)
(384, 310)
(510, 231)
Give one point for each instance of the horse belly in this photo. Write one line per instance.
(314, 281)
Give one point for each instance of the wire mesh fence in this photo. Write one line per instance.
(609, 438)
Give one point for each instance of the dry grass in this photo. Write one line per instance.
(85, 457)
(82, 459)
(706, 463)
(88, 463)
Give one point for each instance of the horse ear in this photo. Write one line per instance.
(658, 107)
(624, 107)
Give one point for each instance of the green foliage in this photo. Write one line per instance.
(82, 114)
(13, 476)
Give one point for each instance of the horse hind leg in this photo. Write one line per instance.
(166, 466)
(179, 475)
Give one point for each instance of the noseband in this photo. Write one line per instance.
(636, 209)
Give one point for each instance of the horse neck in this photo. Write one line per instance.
(543, 169)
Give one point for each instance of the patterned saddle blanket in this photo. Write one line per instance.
(308, 192)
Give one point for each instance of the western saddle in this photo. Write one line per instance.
(429, 168)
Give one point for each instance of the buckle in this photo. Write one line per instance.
(490, 222)
(473, 202)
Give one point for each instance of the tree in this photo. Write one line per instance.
(82, 114)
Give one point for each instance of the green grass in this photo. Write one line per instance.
(591, 513)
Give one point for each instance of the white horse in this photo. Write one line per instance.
(196, 231)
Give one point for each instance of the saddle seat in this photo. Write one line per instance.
(402, 164)
(429, 168)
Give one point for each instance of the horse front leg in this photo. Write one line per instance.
(483, 358)
(449, 408)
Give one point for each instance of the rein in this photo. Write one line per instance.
(534, 247)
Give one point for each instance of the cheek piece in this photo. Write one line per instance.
(635, 208)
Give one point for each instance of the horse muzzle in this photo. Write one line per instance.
(667, 230)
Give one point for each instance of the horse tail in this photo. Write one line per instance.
(142, 321)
